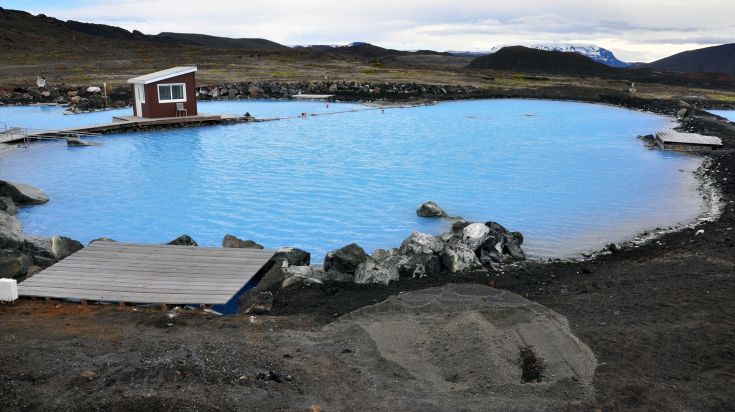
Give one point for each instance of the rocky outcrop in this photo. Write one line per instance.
(14, 263)
(474, 234)
(231, 241)
(11, 232)
(430, 209)
(22, 194)
(256, 302)
(183, 240)
(457, 257)
(377, 271)
(293, 256)
(421, 244)
(500, 245)
(8, 206)
(467, 246)
(312, 274)
(345, 259)
(46, 251)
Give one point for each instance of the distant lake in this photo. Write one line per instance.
(571, 176)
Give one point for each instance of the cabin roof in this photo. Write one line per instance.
(162, 75)
(672, 136)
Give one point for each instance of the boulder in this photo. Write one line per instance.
(273, 277)
(458, 227)
(421, 243)
(312, 274)
(11, 232)
(512, 247)
(46, 251)
(22, 194)
(76, 142)
(345, 259)
(256, 302)
(417, 266)
(496, 229)
(500, 246)
(231, 241)
(491, 251)
(8, 206)
(457, 257)
(183, 240)
(294, 256)
(102, 239)
(474, 234)
(372, 271)
(14, 263)
(518, 237)
(254, 91)
(383, 254)
(430, 209)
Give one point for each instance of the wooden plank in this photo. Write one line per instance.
(102, 271)
(158, 246)
(64, 279)
(130, 296)
(241, 253)
(179, 249)
(212, 290)
(132, 274)
(167, 257)
(194, 268)
(174, 268)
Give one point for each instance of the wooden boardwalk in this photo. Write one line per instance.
(147, 273)
(118, 124)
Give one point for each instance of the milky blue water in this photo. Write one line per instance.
(727, 114)
(571, 177)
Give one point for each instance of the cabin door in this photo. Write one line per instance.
(139, 99)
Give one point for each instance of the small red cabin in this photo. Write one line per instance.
(166, 93)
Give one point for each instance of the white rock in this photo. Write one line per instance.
(458, 258)
(371, 271)
(421, 243)
(474, 235)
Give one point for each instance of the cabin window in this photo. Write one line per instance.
(171, 93)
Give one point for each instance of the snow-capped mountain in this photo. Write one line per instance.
(595, 53)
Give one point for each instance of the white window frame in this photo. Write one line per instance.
(183, 89)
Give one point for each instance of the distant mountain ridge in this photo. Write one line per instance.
(366, 50)
(222, 42)
(526, 59)
(596, 53)
(715, 59)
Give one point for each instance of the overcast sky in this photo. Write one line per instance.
(635, 30)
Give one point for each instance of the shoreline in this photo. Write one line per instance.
(658, 317)
(705, 185)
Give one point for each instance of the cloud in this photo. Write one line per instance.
(633, 29)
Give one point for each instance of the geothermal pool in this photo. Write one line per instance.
(571, 177)
(727, 114)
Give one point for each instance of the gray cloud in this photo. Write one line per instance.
(633, 29)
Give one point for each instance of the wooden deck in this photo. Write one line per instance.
(148, 273)
(118, 124)
(686, 142)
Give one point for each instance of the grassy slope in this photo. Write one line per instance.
(39, 45)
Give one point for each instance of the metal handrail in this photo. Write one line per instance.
(61, 132)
